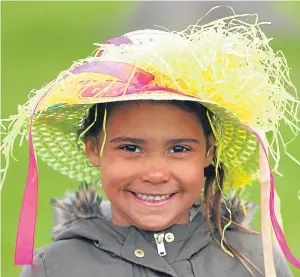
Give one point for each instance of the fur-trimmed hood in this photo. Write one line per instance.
(87, 203)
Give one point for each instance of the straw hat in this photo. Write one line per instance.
(227, 66)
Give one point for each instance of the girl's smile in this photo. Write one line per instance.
(152, 199)
(152, 168)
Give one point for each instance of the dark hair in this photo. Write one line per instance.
(95, 128)
(212, 188)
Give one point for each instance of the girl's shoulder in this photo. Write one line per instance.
(251, 248)
(70, 257)
(242, 237)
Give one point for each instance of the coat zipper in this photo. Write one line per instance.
(159, 239)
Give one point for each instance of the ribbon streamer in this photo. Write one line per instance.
(27, 221)
(266, 225)
(26, 227)
(276, 226)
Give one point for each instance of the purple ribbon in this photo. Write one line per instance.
(120, 70)
(116, 41)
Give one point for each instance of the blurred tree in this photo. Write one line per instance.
(176, 14)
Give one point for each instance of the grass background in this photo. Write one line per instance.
(39, 39)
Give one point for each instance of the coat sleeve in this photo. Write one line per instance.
(281, 265)
(37, 269)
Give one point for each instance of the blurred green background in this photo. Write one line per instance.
(39, 39)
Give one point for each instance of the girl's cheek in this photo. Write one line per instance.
(116, 170)
(192, 175)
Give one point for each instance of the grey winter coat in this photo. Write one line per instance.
(87, 244)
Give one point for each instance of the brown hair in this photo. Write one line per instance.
(213, 186)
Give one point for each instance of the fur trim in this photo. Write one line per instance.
(242, 212)
(83, 203)
(235, 208)
(86, 202)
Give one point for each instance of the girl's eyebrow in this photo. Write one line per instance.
(182, 140)
(142, 141)
(128, 139)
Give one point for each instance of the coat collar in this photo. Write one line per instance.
(84, 214)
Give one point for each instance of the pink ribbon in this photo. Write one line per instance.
(27, 221)
(276, 226)
(26, 227)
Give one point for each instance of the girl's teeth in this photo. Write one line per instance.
(152, 197)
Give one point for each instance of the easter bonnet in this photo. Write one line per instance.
(226, 65)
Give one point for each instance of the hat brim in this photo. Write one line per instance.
(56, 141)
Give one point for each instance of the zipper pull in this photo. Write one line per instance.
(159, 239)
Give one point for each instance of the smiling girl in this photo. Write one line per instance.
(173, 124)
(151, 160)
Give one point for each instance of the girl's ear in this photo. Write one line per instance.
(210, 152)
(92, 152)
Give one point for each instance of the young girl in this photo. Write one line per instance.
(173, 125)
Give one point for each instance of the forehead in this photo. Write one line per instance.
(151, 107)
(155, 116)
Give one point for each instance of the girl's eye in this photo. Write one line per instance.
(131, 148)
(178, 149)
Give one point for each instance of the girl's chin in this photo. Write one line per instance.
(158, 223)
(156, 227)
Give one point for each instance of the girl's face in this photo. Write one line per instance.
(152, 167)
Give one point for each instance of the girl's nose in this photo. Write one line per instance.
(155, 174)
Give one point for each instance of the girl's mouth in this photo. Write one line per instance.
(153, 199)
